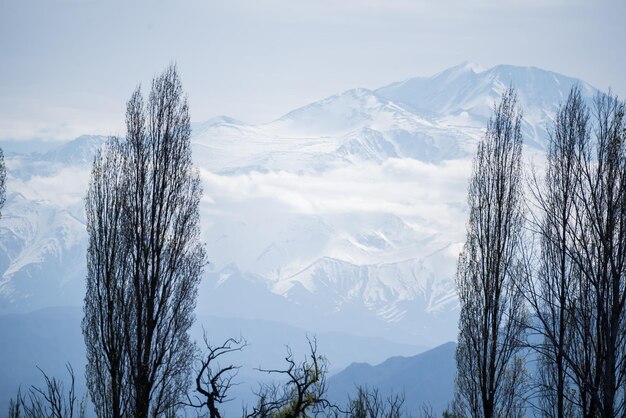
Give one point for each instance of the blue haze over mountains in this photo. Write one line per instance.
(343, 219)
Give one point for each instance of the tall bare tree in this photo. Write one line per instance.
(148, 184)
(579, 292)
(489, 372)
(107, 293)
(598, 251)
(555, 282)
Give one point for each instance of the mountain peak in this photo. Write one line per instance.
(77, 151)
(466, 66)
(334, 115)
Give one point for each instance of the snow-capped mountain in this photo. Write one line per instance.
(41, 247)
(78, 152)
(345, 214)
(465, 95)
(351, 126)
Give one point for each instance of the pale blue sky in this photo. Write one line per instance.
(68, 66)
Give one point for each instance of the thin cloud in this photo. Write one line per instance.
(403, 187)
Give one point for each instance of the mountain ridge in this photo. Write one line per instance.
(320, 209)
(424, 379)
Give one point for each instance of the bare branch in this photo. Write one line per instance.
(212, 381)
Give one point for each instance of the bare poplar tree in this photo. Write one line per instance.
(598, 357)
(579, 294)
(153, 287)
(107, 292)
(489, 371)
(552, 290)
(163, 236)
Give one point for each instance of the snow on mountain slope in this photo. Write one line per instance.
(465, 95)
(78, 152)
(455, 89)
(346, 214)
(354, 125)
(379, 287)
(347, 111)
(41, 255)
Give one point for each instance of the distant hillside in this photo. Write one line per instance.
(51, 337)
(427, 378)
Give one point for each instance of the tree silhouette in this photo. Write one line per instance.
(145, 258)
(492, 320)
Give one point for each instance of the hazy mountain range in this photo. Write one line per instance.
(342, 219)
(343, 215)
